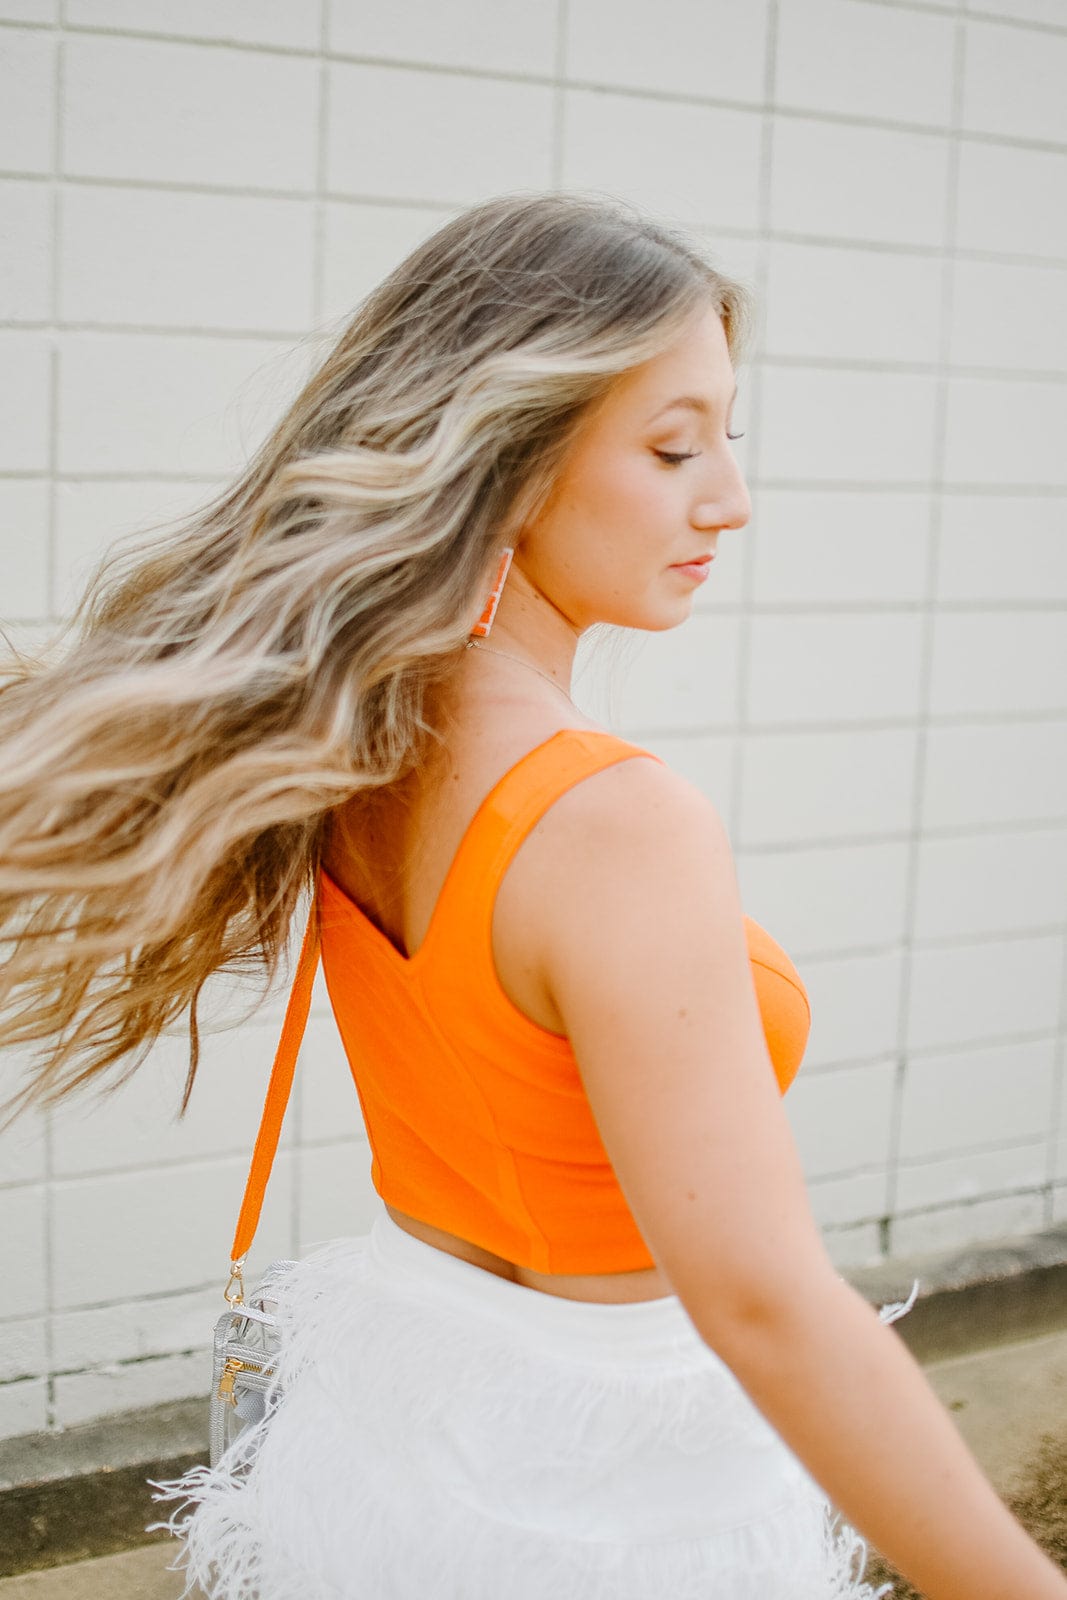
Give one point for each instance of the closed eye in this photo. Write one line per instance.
(672, 457)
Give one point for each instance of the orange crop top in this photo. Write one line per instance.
(476, 1115)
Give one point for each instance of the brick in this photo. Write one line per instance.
(942, 1229)
(1008, 314)
(133, 1330)
(842, 1120)
(826, 424)
(858, 1197)
(1002, 199)
(23, 1349)
(815, 786)
(134, 255)
(1048, 11)
(971, 993)
(991, 882)
(821, 182)
(616, 143)
(1013, 81)
(84, 1396)
(157, 403)
(507, 36)
(987, 773)
(27, 99)
(857, 1246)
(25, 250)
(820, 545)
(979, 448)
(675, 681)
(983, 1095)
(43, 12)
(138, 1127)
(23, 1407)
(843, 897)
(712, 51)
(25, 396)
(968, 1177)
(977, 531)
(363, 243)
(121, 1237)
(22, 1250)
(855, 1006)
(1005, 663)
(852, 304)
(24, 514)
(23, 1142)
(834, 667)
(270, 22)
(884, 61)
(422, 135)
(188, 113)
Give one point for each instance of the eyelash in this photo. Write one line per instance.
(672, 457)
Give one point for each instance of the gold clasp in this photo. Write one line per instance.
(229, 1373)
(237, 1299)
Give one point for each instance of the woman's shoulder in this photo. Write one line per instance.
(638, 799)
(640, 803)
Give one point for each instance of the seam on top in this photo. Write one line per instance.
(448, 1044)
(778, 973)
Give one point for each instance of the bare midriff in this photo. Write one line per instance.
(607, 1288)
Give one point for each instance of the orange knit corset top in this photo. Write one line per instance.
(476, 1116)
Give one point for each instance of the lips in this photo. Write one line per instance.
(697, 561)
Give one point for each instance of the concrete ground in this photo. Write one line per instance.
(1009, 1402)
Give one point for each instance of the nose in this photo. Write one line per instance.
(725, 502)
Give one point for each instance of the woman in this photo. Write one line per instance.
(593, 1345)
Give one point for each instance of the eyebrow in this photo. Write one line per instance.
(693, 402)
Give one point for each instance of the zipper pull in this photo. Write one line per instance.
(226, 1382)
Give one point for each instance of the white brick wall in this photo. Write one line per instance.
(873, 689)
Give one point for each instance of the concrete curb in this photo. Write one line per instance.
(988, 1294)
(84, 1492)
(67, 1496)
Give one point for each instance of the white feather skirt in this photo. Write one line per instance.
(441, 1433)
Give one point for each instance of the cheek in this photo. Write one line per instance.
(626, 502)
(610, 520)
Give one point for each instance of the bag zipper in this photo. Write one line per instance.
(231, 1367)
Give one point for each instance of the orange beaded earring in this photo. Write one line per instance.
(485, 621)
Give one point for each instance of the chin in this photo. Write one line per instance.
(660, 617)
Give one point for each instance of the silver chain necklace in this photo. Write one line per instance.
(491, 650)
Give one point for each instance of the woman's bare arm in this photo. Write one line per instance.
(639, 923)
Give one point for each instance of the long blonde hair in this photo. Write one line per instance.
(168, 767)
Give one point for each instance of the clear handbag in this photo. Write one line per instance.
(247, 1339)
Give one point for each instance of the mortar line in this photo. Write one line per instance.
(741, 727)
(1058, 1099)
(559, 94)
(51, 588)
(929, 624)
(300, 1166)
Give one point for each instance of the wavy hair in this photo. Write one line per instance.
(169, 766)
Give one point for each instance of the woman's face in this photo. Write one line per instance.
(623, 515)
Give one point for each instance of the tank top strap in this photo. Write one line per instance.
(518, 801)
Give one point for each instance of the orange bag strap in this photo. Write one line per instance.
(278, 1089)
